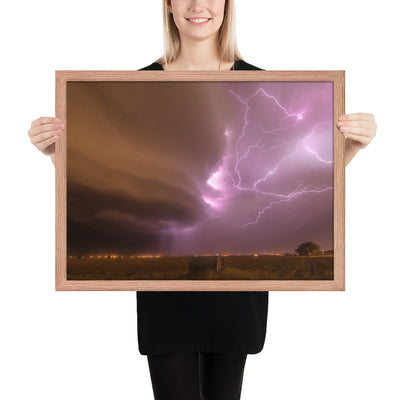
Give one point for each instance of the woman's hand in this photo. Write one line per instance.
(360, 128)
(44, 132)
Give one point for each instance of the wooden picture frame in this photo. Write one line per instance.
(116, 98)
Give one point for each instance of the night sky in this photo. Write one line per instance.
(196, 168)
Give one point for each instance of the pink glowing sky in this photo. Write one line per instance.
(189, 168)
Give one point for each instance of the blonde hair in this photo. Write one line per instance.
(226, 39)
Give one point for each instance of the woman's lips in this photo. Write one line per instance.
(201, 21)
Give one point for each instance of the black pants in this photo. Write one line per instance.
(197, 376)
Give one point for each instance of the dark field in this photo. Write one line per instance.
(202, 268)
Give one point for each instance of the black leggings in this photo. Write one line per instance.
(197, 376)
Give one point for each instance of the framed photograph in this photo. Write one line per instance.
(199, 180)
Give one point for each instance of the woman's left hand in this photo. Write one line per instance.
(359, 127)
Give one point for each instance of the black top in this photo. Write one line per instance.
(217, 322)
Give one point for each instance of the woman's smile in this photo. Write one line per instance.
(198, 21)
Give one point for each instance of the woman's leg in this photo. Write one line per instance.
(175, 376)
(221, 376)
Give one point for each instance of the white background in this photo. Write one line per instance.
(83, 345)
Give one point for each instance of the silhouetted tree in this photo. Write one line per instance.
(308, 248)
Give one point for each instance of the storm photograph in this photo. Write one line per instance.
(207, 180)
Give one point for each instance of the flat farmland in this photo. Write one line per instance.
(242, 267)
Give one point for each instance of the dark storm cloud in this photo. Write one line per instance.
(139, 155)
(136, 152)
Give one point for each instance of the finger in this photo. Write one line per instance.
(44, 128)
(358, 131)
(44, 136)
(360, 116)
(41, 146)
(357, 124)
(45, 120)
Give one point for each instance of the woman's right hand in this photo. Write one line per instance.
(44, 132)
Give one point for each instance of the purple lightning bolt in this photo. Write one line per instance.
(245, 145)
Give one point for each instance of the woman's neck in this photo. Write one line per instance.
(198, 56)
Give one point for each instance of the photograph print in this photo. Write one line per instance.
(170, 180)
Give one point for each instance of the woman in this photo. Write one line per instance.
(197, 342)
